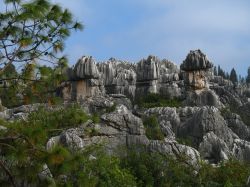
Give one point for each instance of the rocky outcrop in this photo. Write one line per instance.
(202, 98)
(85, 68)
(196, 72)
(123, 120)
(157, 76)
(196, 69)
(205, 129)
(83, 81)
(119, 77)
(148, 73)
(244, 111)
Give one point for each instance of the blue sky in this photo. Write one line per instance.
(133, 29)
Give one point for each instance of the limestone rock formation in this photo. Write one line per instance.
(83, 81)
(196, 68)
(86, 68)
(119, 77)
(157, 76)
(147, 71)
(215, 138)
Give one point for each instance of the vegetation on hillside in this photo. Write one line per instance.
(156, 100)
(153, 129)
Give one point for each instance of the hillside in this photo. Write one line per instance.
(184, 125)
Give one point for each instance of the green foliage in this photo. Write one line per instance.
(225, 111)
(230, 173)
(23, 153)
(185, 141)
(233, 76)
(96, 117)
(32, 33)
(155, 100)
(248, 76)
(155, 169)
(153, 130)
(110, 109)
(36, 30)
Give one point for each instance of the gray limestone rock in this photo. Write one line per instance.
(196, 60)
(86, 68)
(235, 123)
(202, 98)
(196, 70)
(214, 149)
(207, 119)
(71, 140)
(123, 120)
(148, 69)
(119, 77)
(244, 112)
(241, 150)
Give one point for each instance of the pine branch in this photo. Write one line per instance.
(7, 171)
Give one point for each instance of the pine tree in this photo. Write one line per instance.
(32, 32)
(248, 76)
(215, 71)
(233, 76)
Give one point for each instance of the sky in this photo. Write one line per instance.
(133, 29)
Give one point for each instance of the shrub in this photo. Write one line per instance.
(153, 130)
(155, 100)
(110, 109)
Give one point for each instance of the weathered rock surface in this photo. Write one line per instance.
(119, 77)
(245, 113)
(196, 70)
(202, 98)
(123, 120)
(86, 68)
(214, 137)
(83, 81)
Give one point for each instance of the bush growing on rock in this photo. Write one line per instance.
(155, 100)
(153, 130)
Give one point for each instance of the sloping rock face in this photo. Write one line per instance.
(205, 129)
(83, 81)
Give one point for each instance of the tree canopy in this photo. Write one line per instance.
(233, 76)
(33, 31)
(32, 38)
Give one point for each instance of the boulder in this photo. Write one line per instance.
(241, 150)
(207, 119)
(123, 120)
(213, 149)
